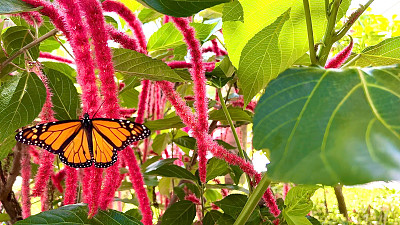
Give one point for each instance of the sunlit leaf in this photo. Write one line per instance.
(331, 126)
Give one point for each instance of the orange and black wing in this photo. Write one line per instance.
(111, 135)
(66, 138)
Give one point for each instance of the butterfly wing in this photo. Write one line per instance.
(111, 135)
(77, 153)
(51, 136)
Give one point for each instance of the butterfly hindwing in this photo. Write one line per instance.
(77, 153)
(120, 133)
(52, 136)
(104, 154)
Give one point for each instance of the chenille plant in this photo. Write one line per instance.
(199, 75)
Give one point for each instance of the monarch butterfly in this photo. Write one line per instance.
(79, 143)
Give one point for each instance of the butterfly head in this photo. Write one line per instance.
(86, 116)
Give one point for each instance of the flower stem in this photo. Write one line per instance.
(252, 201)
(313, 56)
(228, 117)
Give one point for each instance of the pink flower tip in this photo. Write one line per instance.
(341, 57)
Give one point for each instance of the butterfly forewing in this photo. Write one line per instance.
(120, 133)
(51, 136)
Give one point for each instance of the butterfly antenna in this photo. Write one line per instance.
(98, 109)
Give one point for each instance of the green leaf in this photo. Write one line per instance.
(6, 146)
(331, 126)
(236, 173)
(225, 145)
(186, 141)
(4, 217)
(233, 204)
(15, 6)
(258, 62)
(298, 204)
(149, 162)
(135, 213)
(293, 41)
(216, 167)
(132, 63)
(160, 142)
(165, 186)
(233, 11)
(168, 36)
(225, 219)
(162, 124)
(22, 98)
(148, 15)
(223, 69)
(386, 52)
(237, 114)
(212, 217)
(173, 171)
(65, 96)
(182, 213)
(159, 163)
(180, 8)
(112, 21)
(14, 38)
(212, 195)
(227, 186)
(77, 214)
(62, 67)
(129, 98)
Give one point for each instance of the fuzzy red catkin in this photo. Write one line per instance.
(340, 57)
(199, 80)
(32, 18)
(71, 178)
(193, 198)
(86, 79)
(130, 18)
(138, 184)
(46, 158)
(26, 176)
(47, 55)
(52, 12)
(123, 39)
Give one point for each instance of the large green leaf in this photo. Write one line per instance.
(21, 101)
(233, 11)
(386, 52)
(292, 42)
(216, 167)
(15, 6)
(180, 8)
(16, 37)
(132, 63)
(78, 214)
(65, 97)
(331, 126)
(173, 171)
(260, 59)
(168, 36)
(298, 204)
(182, 213)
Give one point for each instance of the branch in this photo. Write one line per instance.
(28, 46)
(354, 16)
(313, 55)
(16, 166)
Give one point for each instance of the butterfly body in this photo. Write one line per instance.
(80, 143)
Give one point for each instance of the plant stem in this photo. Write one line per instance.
(253, 201)
(349, 23)
(323, 52)
(313, 55)
(228, 117)
(28, 46)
